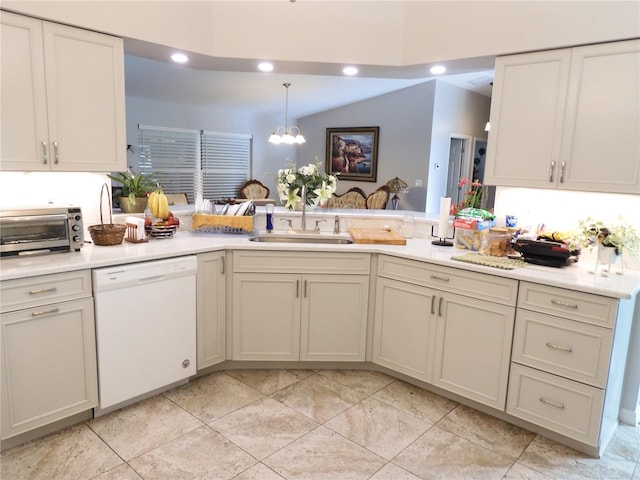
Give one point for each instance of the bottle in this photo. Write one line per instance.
(269, 209)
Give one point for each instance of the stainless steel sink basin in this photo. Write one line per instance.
(301, 237)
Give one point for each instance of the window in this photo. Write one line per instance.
(194, 161)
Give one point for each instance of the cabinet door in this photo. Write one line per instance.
(403, 330)
(527, 109)
(334, 317)
(473, 348)
(24, 100)
(266, 316)
(48, 365)
(601, 142)
(85, 99)
(211, 309)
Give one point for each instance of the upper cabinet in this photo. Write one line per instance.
(567, 119)
(63, 100)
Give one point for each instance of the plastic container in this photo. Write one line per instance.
(498, 242)
(474, 240)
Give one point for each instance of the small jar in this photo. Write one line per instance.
(498, 242)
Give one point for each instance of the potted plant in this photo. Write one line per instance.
(135, 190)
(611, 239)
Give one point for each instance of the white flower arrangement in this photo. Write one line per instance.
(320, 186)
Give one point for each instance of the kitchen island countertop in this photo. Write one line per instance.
(576, 277)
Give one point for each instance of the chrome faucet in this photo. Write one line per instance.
(303, 194)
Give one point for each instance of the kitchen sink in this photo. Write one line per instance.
(301, 237)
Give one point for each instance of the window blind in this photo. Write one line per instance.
(194, 161)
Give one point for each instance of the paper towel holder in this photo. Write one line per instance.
(442, 241)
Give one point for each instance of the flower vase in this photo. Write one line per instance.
(608, 256)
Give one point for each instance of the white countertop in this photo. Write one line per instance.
(576, 277)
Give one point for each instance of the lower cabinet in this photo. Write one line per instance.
(300, 316)
(48, 364)
(424, 327)
(210, 309)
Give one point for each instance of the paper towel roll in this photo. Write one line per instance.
(443, 224)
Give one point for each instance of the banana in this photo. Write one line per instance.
(158, 204)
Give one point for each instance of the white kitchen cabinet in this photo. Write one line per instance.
(404, 328)
(568, 361)
(568, 119)
(63, 100)
(48, 351)
(211, 311)
(289, 315)
(425, 327)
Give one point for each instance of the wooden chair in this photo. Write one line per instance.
(177, 198)
(379, 198)
(352, 198)
(254, 189)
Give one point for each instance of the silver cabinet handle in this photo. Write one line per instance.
(551, 403)
(45, 312)
(563, 304)
(46, 290)
(552, 167)
(297, 288)
(222, 265)
(442, 279)
(562, 167)
(559, 347)
(440, 307)
(45, 153)
(305, 289)
(433, 301)
(55, 153)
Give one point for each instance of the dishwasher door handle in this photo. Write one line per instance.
(153, 278)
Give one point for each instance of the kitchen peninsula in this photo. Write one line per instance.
(413, 312)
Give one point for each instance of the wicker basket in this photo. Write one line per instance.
(221, 223)
(107, 234)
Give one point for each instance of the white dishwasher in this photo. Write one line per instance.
(145, 327)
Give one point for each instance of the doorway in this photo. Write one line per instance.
(459, 165)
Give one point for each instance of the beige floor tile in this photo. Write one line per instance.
(143, 426)
(421, 403)
(393, 472)
(258, 472)
(487, 431)
(318, 397)
(75, 453)
(213, 396)
(626, 442)
(201, 454)
(122, 472)
(324, 455)
(263, 427)
(364, 381)
(379, 427)
(439, 454)
(269, 381)
(560, 462)
(520, 472)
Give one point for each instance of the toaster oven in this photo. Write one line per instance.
(39, 230)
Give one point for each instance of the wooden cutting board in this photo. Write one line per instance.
(382, 236)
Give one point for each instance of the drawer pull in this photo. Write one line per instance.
(563, 304)
(45, 312)
(559, 347)
(442, 279)
(551, 403)
(46, 290)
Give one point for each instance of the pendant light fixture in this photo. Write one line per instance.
(289, 135)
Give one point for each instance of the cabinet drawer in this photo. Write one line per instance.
(45, 289)
(572, 349)
(584, 307)
(301, 262)
(455, 280)
(563, 406)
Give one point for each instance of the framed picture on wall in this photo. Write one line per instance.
(353, 153)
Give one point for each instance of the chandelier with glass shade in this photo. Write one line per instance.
(290, 135)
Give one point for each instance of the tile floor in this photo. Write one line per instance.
(308, 424)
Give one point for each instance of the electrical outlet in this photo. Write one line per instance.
(418, 182)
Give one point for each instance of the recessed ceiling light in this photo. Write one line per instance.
(350, 70)
(438, 69)
(179, 58)
(265, 67)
